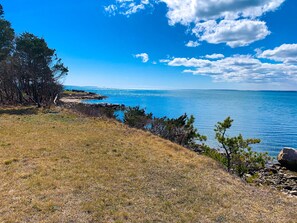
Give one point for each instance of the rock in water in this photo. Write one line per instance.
(288, 158)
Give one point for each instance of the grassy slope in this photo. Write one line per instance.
(64, 168)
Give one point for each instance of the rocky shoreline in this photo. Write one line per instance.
(277, 177)
(70, 98)
(281, 175)
(77, 96)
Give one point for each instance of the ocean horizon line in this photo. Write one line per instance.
(176, 89)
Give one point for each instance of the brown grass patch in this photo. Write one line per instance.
(59, 167)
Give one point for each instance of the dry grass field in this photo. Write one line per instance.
(61, 167)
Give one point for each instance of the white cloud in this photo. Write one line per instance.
(234, 22)
(188, 11)
(133, 8)
(193, 11)
(285, 53)
(111, 9)
(238, 68)
(214, 56)
(164, 60)
(127, 7)
(193, 62)
(192, 44)
(143, 56)
(234, 33)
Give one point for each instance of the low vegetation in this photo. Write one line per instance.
(180, 130)
(137, 118)
(56, 166)
(240, 158)
(236, 153)
(92, 110)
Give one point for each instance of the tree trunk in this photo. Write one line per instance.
(228, 162)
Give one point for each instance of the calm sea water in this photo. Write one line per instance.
(268, 115)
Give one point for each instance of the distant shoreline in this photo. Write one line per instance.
(77, 96)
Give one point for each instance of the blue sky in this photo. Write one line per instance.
(167, 44)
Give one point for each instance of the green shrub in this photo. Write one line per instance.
(252, 178)
(137, 118)
(214, 154)
(180, 130)
(239, 155)
(93, 110)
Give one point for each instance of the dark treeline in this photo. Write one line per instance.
(30, 72)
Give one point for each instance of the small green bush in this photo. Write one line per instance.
(214, 154)
(252, 178)
(240, 157)
(137, 118)
(180, 130)
(94, 110)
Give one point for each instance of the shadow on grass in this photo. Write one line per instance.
(18, 111)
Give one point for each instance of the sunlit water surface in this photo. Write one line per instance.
(268, 115)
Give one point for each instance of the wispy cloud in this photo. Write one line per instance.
(127, 7)
(111, 9)
(214, 56)
(143, 56)
(192, 43)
